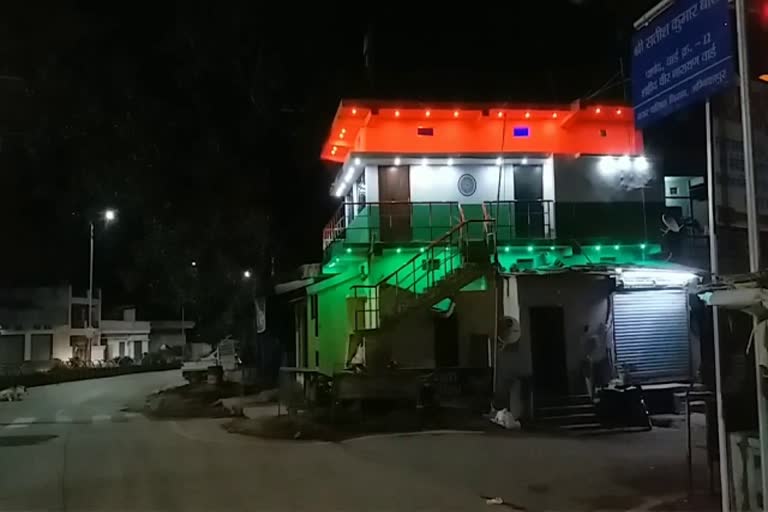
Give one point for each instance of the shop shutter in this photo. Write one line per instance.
(42, 347)
(11, 349)
(651, 335)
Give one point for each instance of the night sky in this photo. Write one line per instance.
(201, 122)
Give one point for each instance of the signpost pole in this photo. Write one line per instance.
(725, 499)
(753, 236)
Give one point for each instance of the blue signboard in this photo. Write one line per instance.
(681, 57)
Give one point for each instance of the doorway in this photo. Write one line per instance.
(550, 372)
(446, 341)
(395, 207)
(529, 210)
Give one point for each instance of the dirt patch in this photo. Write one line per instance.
(190, 401)
(335, 426)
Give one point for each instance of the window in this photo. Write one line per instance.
(314, 307)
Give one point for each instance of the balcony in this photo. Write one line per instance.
(516, 222)
(395, 222)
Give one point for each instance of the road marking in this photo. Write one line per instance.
(20, 423)
(101, 417)
(130, 415)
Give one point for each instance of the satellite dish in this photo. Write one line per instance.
(671, 224)
(510, 332)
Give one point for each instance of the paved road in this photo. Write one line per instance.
(72, 447)
(69, 447)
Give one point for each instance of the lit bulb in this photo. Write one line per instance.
(598, 110)
(354, 111)
(397, 160)
(498, 160)
(455, 113)
(357, 161)
(607, 165)
(427, 113)
(527, 115)
(450, 162)
(642, 164)
(554, 115)
(500, 114)
(524, 161)
(397, 113)
(625, 163)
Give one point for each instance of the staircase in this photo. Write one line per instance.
(574, 413)
(449, 263)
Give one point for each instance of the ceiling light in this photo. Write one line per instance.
(354, 111)
(625, 163)
(424, 162)
(397, 160)
(450, 162)
(397, 113)
(498, 160)
(427, 113)
(641, 164)
(341, 135)
(357, 161)
(527, 115)
(500, 114)
(455, 113)
(524, 161)
(598, 110)
(554, 115)
(607, 165)
(618, 111)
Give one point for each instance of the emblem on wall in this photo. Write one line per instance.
(467, 185)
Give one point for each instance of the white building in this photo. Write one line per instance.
(39, 324)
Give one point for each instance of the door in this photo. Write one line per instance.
(395, 207)
(42, 347)
(11, 349)
(651, 335)
(446, 342)
(529, 210)
(550, 373)
(137, 352)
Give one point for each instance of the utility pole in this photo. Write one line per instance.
(753, 233)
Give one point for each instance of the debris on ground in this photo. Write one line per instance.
(326, 425)
(505, 419)
(191, 401)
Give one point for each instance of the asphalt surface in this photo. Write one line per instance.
(74, 447)
(70, 447)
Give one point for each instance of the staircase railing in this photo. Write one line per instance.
(396, 291)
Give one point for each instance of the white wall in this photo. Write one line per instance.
(433, 183)
(441, 182)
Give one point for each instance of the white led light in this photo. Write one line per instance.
(397, 160)
(607, 165)
(498, 161)
(524, 161)
(625, 163)
(424, 162)
(656, 277)
(642, 164)
(357, 161)
(450, 162)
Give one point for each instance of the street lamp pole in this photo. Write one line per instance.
(89, 322)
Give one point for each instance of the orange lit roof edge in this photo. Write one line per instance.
(480, 122)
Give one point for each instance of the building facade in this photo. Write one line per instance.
(444, 206)
(40, 324)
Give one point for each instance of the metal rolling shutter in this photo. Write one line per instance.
(651, 335)
(11, 349)
(42, 347)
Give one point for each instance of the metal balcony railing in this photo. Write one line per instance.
(397, 291)
(531, 220)
(395, 221)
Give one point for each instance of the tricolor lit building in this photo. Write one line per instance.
(459, 225)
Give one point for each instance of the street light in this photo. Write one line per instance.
(247, 274)
(108, 215)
